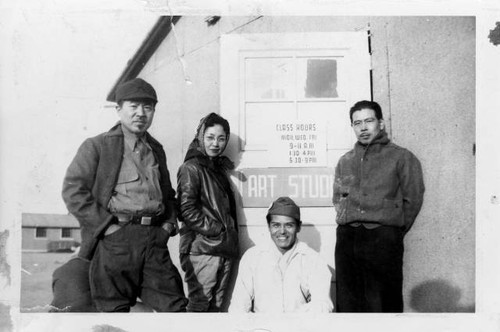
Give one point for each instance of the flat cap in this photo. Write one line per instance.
(135, 89)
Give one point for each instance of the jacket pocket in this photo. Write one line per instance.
(127, 176)
(127, 179)
(391, 212)
(212, 241)
(215, 225)
(392, 203)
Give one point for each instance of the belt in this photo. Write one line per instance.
(139, 220)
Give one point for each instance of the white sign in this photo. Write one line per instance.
(297, 144)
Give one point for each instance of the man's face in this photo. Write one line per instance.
(365, 125)
(283, 231)
(136, 116)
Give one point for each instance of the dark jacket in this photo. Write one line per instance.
(91, 178)
(379, 183)
(206, 204)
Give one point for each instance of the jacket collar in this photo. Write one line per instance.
(299, 248)
(217, 163)
(379, 140)
(116, 130)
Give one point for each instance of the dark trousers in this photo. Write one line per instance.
(134, 262)
(369, 269)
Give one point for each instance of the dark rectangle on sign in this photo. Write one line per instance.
(306, 186)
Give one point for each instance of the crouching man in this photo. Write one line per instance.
(284, 276)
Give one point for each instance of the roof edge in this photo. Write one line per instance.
(158, 33)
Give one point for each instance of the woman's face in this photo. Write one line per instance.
(214, 140)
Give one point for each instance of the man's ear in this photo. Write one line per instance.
(381, 124)
(299, 226)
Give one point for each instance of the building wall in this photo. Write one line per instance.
(432, 105)
(426, 87)
(30, 242)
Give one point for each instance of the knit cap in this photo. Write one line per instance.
(284, 206)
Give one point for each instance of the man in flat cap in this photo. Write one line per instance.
(118, 187)
(285, 275)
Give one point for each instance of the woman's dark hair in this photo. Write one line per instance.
(215, 119)
(367, 104)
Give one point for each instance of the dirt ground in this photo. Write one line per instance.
(36, 279)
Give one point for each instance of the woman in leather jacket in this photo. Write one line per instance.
(209, 234)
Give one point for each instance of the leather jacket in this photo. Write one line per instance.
(207, 212)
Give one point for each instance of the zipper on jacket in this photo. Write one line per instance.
(361, 179)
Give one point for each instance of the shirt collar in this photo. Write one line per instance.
(131, 139)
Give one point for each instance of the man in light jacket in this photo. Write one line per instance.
(285, 275)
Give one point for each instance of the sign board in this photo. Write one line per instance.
(297, 144)
(306, 186)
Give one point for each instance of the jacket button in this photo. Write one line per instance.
(362, 211)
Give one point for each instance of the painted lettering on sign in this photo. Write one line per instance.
(310, 186)
(307, 186)
(297, 144)
(260, 185)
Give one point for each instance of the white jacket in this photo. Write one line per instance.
(271, 282)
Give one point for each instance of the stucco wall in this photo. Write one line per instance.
(424, 78)
(431, 97)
